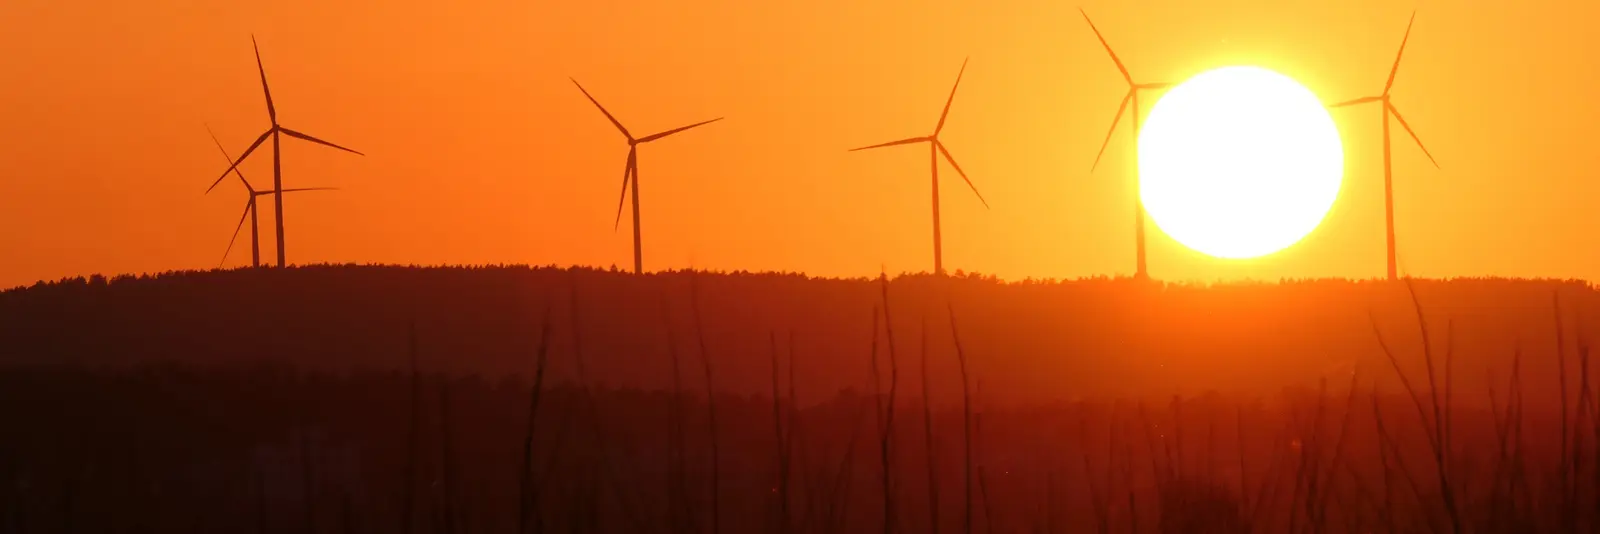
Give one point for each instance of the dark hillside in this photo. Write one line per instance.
(182, 403)
(1044, 340)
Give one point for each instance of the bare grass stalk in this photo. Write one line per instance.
(1244, 485)
(927, 437)
(602, 446)
(839, 498)
(1102, 509)
(408, 497)
(886, 431)
(779, 442)
(792, 439)
(1436, 426)
(528, 504)
(446, 456)
(711, 407)
(1565, 463)
(1389, 449)
(1305, 467)
(1319, 518)
(679, 507)
(983, 480)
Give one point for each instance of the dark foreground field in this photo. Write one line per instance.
(286, 401)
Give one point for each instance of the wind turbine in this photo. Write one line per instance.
(1131, 96)
(1388, 172)
(935, 149)
(250, 209)
(275, 132)
(631, 171)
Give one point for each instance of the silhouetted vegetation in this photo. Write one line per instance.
(1029, 340)
(547, 400)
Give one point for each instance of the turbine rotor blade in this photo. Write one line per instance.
(952, 160)
(906, 141)
(1362, 100)
(1396, 113)
(1155, 86)
(614, 121)
(226, 157)
(272, 112)
(654, 137)
(1396, 68)
(236, 162)
(292, 133)
(299, 189)
(627, 171)
(946, 113)
(1102, 38)
(247, 207)
(1111, 130)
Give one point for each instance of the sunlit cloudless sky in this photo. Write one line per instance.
(480, 150)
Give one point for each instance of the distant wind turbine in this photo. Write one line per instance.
(1132, 96)
(277, 152)
(1388, 172)
(630, 172)
(250, 210)
(935, 149)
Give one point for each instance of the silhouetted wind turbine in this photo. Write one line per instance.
(277, 152)
(1132, 96)
(935, 149)
(250, 209)
(1388, 172)
(631, 170)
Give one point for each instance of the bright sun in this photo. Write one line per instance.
(1239, 162)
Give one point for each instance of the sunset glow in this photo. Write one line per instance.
(882, 267)
(480, 150)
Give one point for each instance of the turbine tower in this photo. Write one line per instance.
(935, 149)
(276, 131)
(630, 172)
(1132, 96)
(1389, 110)
(250, 209)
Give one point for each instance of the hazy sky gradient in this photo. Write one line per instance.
(481, 151)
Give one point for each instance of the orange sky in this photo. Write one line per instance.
(480, 150)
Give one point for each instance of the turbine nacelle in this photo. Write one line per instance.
(250, 199)
(937, 148)
(934, 137)
(1128, 97)
(275, 129)
(630, 169)
(1389, 108)
(624, 130)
